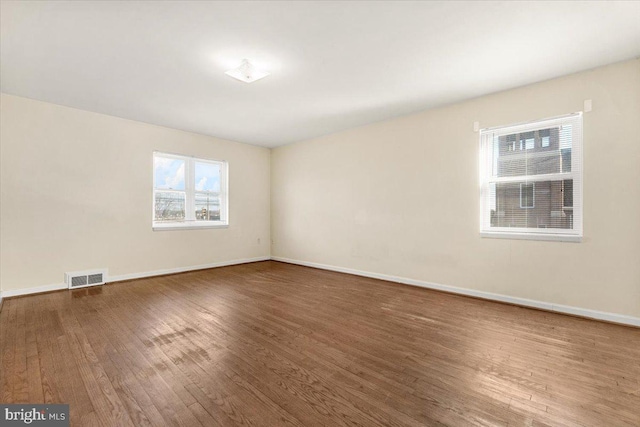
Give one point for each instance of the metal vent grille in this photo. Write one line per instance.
(95, 278)
(78, 281)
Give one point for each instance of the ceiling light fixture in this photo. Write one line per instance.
(246, 72)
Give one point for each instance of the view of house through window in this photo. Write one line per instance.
(530, 176)
(188, 191)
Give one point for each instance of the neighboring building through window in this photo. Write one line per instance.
(531, 177)
(189, 192)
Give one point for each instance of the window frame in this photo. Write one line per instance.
(576, 174)
(190, 222)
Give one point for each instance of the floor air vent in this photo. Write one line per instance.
(80, 279)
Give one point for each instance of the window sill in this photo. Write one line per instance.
(188, 225)
(532, 236)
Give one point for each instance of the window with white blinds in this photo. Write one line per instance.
(531, 180)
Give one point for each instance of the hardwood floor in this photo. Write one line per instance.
(275, 344)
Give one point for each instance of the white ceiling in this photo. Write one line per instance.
(333, 65)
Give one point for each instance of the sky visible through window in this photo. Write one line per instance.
(207, 177)
(169, 173)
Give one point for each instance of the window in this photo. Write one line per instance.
(527, 195)
(188, 192)
(545, 137)
(531, 180)
(545, 141)
(527, 141)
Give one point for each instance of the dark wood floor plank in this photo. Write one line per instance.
(60, 378)
(269, 343)
(9, 329)
(100, 389)
(33, 359)
(118, 374)
(263, 347)
(21, 380)
(316, 362)
(150, 375)
(257, 344)
(185, 350)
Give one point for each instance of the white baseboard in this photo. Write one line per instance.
(593, 314)
(583, 312)
(131, 276)
(34, 290)
(119, 278)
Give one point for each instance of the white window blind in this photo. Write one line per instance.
(531, 180)
(189, 192)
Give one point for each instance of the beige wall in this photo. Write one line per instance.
(401, 197)
(77, 192)
(398, 197)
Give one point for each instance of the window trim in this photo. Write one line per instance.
(576, 174)
(531, 236)
(190, 223)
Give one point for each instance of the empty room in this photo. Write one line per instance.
(320, 213)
